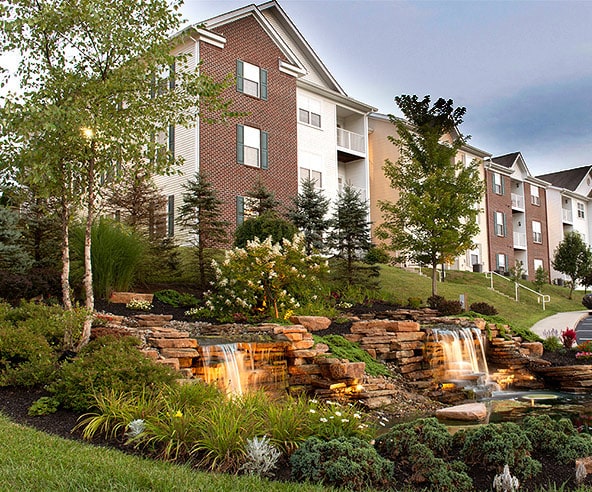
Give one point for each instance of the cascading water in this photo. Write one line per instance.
(457, 356)
(239, 367)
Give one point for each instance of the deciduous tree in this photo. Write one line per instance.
(434, 219)
(99, 82)
(573, 257)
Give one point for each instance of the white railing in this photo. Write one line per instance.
(517, 201)
(350, 140)
(520, 240)
(541, 298)
(567, 215)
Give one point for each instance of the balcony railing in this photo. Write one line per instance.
(520, 240)
(567, 215)
(351, 141)
(517, 201)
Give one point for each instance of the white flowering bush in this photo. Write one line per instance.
(139, 304)
(265, 278)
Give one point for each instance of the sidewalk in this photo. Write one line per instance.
(556, 323)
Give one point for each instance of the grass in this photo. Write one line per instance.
(400, 284)
(31, 460)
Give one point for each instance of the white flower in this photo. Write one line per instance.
(338, 414)
(312, 410)
(313, 401)
(357, 416)
(345, 420)
(323, 419)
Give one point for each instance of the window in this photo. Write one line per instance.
(534, 195)
(316, 176)
(499, 223)
(309, 111)
(498, 184)
(537, 234)
(501, 263)
(251, 80)
(581, 214)
(251, 146)
(538, 264)
(171, 215)
(245, 208)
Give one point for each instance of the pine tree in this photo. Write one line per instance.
(263, 199)
(309, 214)
(201, 214)
(350, 234)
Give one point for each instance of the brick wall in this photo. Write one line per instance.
(499, 203)
(538, 213)
(247, 41)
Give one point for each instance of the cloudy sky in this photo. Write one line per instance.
(522, 68)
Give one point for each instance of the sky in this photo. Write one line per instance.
(522, 68)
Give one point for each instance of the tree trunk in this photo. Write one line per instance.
(434, 276)
(89, 303)
(65, 213)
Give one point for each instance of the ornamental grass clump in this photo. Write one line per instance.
(265, 279)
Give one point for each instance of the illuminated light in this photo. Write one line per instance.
(87, 132)
(447, 386)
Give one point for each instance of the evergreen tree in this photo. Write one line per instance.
(573, 257)
(13, 256)
(434, 219)
(263, 226)
(201, 215)
(309, 214)
(263, 199)
(350, 234)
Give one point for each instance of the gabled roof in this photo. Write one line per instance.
(569, 179)
(506, 160)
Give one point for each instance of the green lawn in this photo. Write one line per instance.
(400, 284)
(34, 461)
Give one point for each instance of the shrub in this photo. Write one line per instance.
(568, 337)
(435, 301)
(26, 358)
(344, 462)
(419, 449)
(377, 254)
(175, 298)
(269, 224)
(43, 406)
(585, 346)
(107, 363)
(414, 302)
(261, 457)
(265, 279)
(483, 308)
(552, 344)
(451, 308)
(557, 438)
(496, 445)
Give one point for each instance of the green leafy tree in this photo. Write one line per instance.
(573, 257)
(434, 219)
(350, 234)
(99, 84)
(541, 277)
(201, 215)
(309, 214)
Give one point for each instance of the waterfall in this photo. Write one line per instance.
(462, 353)
(239, 367)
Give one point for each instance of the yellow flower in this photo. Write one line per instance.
(179, 414)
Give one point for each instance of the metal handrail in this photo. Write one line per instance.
(541, 298)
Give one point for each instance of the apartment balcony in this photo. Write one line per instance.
(567, 216)
(350, 146)
(517, 202)
(519, 240)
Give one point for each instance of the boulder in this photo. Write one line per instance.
(312, 323)
(125, 297)
(470, 412)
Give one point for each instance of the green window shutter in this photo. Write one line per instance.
(497, 265)
(240, 210)
(503, 187)
(171, 216)
(239, 75)
(172, 142)
(172, 76)
(264, 151)
(495, 222)
(505, 226)
(263, 82)
(240, 144)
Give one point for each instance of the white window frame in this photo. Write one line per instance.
(251, 80)
(538, 263)
(317, 176)
(309, 111)
(537, 232)
(500, 260)
(534, 195)
(581, 210)
(498, 186)
(500, 229)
